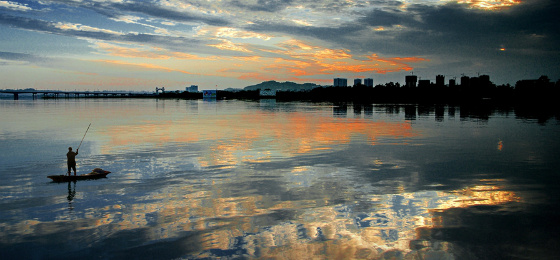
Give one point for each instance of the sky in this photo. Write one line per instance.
(141, 45)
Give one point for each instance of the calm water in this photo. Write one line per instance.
(234, 179)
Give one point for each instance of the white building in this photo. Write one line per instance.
(209, 94)
(192, 88)
(267, 93)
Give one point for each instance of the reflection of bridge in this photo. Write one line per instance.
(68, 94)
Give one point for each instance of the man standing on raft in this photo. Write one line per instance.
(72, 160)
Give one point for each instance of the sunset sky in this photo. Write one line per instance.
(140, 45)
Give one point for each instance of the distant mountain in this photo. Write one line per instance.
(283, 86)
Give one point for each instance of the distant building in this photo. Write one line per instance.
(357, 82)
(368, 82)
(465, 81)
(424, 83)
(267, 93)
(233, 89)
(340, 82)
(484, 80)
(411, 81)
(440, 80)
(192, 88)
(452, 83)
(209, 94)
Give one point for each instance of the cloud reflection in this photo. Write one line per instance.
(262, 225)
(256, 137)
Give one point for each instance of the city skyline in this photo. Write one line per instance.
(140, 45)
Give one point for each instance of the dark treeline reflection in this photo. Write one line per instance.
(480, 112)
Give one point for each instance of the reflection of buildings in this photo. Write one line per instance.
(368, 110)
(440, 111)
(340, 82)
(340, 110)
(410, 112)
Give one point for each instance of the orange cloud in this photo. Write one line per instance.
(297, 61)
(128, 82)
(256, 76)
(490, 5)
(148, 53)
(230, 46)
(143, 65)
(119, 51)
(312, 60)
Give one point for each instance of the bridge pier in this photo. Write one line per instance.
(16, 96)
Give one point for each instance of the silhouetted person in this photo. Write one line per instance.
(71, 160)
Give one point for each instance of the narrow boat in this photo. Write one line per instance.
(95, 174)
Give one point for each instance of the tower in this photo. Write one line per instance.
(340, 82)
(368, 82)
(411, 81)
(357, 82)
(440, 80)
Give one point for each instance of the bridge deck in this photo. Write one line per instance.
(56, 93)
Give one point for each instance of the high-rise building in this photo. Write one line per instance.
(340, 82)
(192, 88)
(465, 81)
(368, 82)
(357, 82)
(484, 80)
(411, 81)
(424, 83)
(440, 80)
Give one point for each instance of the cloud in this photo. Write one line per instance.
(229, 45)
(165, 10)
(83, 28)
(149, 66)
(14, 6)
(127, 52)
(491, 5)
(179, 43)
(168, 14)
(12, 56)
(263, 5)
(303, 38)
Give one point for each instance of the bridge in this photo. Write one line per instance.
(68, 94)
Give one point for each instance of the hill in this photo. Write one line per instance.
(283, 86)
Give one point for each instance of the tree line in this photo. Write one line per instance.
(539, 91)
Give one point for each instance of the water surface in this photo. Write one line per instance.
(264, 179)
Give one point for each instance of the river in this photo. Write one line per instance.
(206, 179)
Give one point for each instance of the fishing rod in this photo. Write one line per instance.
(83, 137)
